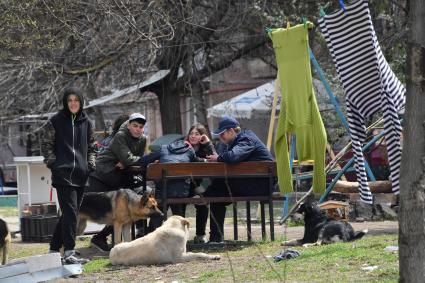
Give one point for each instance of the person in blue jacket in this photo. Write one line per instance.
(240, 146)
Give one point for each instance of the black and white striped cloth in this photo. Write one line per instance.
(369, 83)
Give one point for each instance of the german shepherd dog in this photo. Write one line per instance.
(5, 240)
(118, 208)
(167, 244)
(320, 229)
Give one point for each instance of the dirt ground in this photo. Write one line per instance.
(99, 270)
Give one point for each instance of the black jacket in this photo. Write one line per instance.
(68, 145)
(205, 149)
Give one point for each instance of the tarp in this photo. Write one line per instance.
(242, 106)
(116, 93)
(260, 100)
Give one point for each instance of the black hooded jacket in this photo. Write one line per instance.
(68, 145)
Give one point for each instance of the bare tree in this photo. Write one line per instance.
(100, 45)
(47, 45)
(412, 192)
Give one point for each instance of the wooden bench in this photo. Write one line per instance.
(163, 172)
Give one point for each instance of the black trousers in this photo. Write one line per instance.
(202, 212)
(156, 221)
(69, 199)
(235, 187)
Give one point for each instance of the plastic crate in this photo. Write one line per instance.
(38, 228)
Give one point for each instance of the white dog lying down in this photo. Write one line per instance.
(167, 244)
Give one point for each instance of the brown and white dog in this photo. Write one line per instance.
(118, 208)
(5, 240)
(167, 244)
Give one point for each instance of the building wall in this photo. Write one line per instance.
(242, 76)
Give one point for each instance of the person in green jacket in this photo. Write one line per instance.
(126, 149)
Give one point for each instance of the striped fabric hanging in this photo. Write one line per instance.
(369, 83)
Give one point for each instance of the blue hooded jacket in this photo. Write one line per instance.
(178, 151)
(245, 147)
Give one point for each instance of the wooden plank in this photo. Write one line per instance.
(332, 204)
(273, 113)
(211, 169)
(353, 187)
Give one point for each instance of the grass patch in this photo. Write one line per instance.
(25, 250)
(340, 262)
(97, 265)
(8, 211)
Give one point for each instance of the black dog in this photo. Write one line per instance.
(5, 240)
(321, 229)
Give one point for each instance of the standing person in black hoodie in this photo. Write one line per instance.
(68, 149)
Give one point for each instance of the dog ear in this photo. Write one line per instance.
(144, 199)
(185, 222)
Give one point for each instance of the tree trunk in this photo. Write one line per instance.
(200, 106)
(412, 182)
(169, 105)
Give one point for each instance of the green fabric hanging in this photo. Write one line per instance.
(299, 113)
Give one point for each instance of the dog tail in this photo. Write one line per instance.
(359, 235)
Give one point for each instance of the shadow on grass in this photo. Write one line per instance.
(226, 246)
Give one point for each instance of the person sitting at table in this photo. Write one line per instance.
(194, 148)
(126, 149)
(198, 138)
(241, 146)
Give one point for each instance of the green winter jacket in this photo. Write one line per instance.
(123, 148)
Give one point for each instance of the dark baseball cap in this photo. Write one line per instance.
(226, 122)
(137, 117)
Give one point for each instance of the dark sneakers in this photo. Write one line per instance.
(200, 239)
(100, 244)
(215, 241)
(70, 257)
